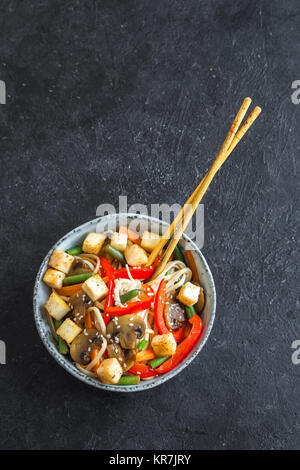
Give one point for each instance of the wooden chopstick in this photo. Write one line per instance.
(170, 230)
(181, 221)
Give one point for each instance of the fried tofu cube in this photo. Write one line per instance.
(95, 287)
(56, 306)
(119, 241)
(110, 371)
(164, 345)
(150, 240)
(189, 294)
(93, 243)
(135, 255)
(68, 330)
(61, 261)
(54, 278)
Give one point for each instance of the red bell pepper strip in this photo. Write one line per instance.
(142, 370)
(143, 302)
(183, 348)
(107, 267)
(110, 273)
(156, 262)
(159, 309)
(178, 334)
(136, 272)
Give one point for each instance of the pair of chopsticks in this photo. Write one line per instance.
(184, 216)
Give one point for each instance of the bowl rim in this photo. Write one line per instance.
(67, 365)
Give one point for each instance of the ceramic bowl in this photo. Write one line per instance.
(74, 238)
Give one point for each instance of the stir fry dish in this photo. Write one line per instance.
(112, 316)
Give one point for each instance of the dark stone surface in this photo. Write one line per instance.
(133, 98)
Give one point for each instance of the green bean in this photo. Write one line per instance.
(75, 251)
(57, 323)
(178, 254)
(62, 345)
(115, 253)
(158, 361)
(142, 344)
(129, 380)
(129, 295)
(190, 311)
(76, 279)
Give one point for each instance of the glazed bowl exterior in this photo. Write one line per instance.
(76, 237)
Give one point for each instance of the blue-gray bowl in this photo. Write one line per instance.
(74, 238)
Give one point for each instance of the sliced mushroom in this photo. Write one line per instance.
(84, 344)
(126, 357)
(174, 315)
(126, 330)
(79, 302)
(79, 266)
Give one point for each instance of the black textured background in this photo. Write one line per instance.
(109, 98)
